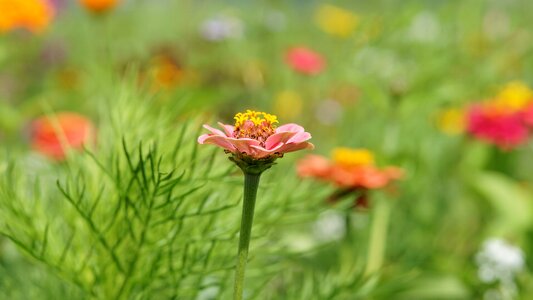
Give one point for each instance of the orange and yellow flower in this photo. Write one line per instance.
(166, 71)
(349, 168)
(99, 6)
(353, 171)
(33, 15)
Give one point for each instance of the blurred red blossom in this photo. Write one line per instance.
(505, 129)
(527, 115)
(304, 60)
(493, 124)
(54, 135)
(506, 119)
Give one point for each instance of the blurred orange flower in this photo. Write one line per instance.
(166, 71)
(54, 135)
(33, 15)
(99, 6)
(350, 168)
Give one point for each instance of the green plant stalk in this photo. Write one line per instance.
(378, 236)
(251, 183)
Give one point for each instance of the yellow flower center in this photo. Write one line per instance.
(353, 157)
(254, 125)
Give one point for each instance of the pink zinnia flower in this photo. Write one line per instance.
(505, 128)
(52, 136)
(255, 137)
(254, 143)
(305, 60)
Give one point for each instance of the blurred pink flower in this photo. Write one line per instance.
(52, 136)
(255, 136)
(305, 60)
(505, 128)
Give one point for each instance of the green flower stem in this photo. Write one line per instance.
(251, 183)
(378, 236)
(348, 225)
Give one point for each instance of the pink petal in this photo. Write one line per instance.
(261, 152)
(300, 137)
(278, 138)
(227, 128)
(214, 130)
(295, 147)
(291, 127)
(217, 140)
(282, 148)
(244, 145)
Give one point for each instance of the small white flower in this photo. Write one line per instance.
(211, 289)
(499, 261)
(496, 25)
(425, 28)
(275, 20)
(330, 226)
(329, 112)
(222, 28)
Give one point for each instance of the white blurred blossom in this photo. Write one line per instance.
(211, 289)
(499, 262)
(275, 20)
(329, 112)
(424, 28)
(496, 24)
(385, 64)
(330, 226)
(222, 28)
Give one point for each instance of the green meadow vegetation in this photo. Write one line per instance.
(106, 193)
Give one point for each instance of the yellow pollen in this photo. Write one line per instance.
(254, 125)
(353, 157)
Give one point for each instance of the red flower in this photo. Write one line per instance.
(527, 115)
(52, 136)
(505, 128)
(305, 61)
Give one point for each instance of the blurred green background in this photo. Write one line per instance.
(398, 78)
